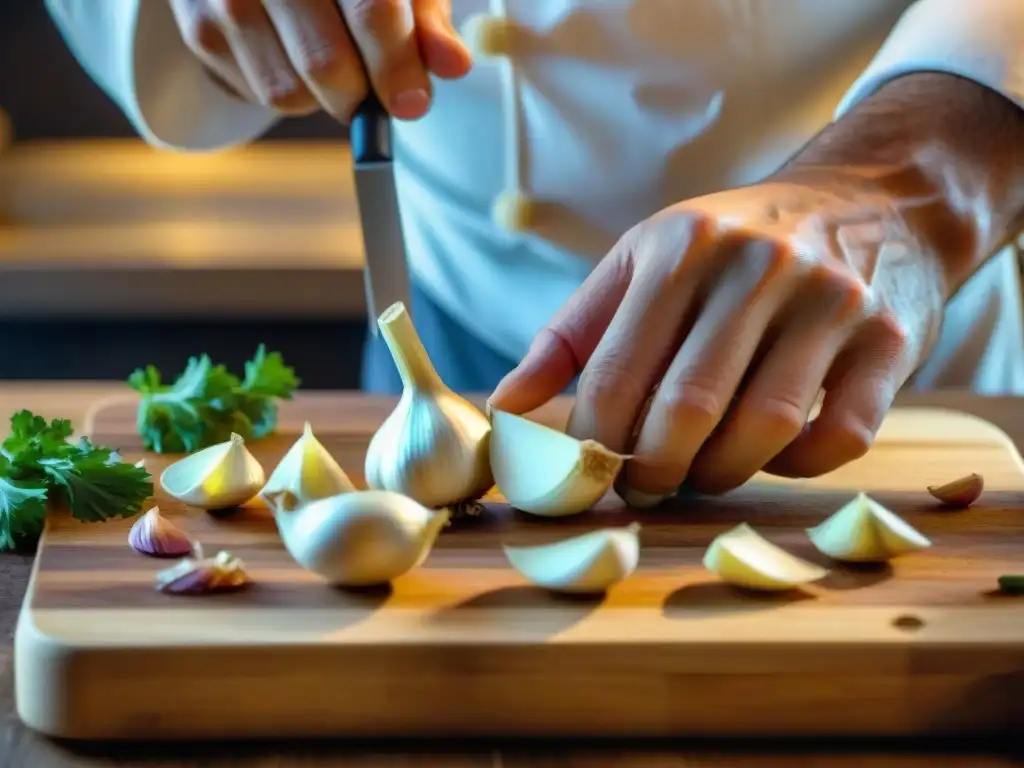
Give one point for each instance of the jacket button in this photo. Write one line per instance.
(517, 212)
(490, 37)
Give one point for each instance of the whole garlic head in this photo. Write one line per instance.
(362, 538)
(306, 473)
(434, 445)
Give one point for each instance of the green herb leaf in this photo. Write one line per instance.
(207, 402)
(40, 465)
(22, 508)
(96, 489)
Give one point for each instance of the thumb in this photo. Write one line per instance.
(442, 49)
(562, 348)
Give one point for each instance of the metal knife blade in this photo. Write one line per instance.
(386, 271)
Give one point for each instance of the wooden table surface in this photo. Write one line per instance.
(21, 749)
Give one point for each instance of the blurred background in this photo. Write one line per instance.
(114, 255)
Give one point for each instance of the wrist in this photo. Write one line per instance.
(944, 152)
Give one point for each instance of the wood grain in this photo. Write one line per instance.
(923, 646)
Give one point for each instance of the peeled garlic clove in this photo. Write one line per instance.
(155, 535)
(361, 538)
(546, 472)
(959, 493)
(221, 476)
(863, 531)
(743, 558)
(433, 446)
(586, 564)
(196, 575)
(306, 473)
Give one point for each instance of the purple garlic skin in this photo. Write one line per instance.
(198, 575)
(156, 536)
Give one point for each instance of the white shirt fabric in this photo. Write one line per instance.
(605, 112)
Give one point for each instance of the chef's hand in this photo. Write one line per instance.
(736, 310)
(302, 55)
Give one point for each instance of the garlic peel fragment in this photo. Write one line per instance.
(434, 446)
(546, 472)
(362, 538)
(743, 558)
(197, 575)
(221, 476)
(863, 531)
(306, 473)
(587, 564)
(153, 534)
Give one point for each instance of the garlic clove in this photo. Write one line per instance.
(743, 558)
(153, 534)
(221, 476)
(546, 472)
(361, 538)
(198, 575)
(586, 564)
(863, 531)
(307, 473)
(959, 493)
(434, 445)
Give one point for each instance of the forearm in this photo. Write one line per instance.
(948, 151)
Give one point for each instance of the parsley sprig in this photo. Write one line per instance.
(41, 467)
(206, 403)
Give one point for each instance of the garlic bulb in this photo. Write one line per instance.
(587, 564)
(743, 558)
(221, 476)
(153, 534)
(433, 446)
(306, 473)
(361, 538)
(196, 575)
(863, 531)
(546, 472)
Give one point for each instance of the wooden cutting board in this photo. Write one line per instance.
(464, 646)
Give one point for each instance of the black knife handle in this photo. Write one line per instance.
(370, 132)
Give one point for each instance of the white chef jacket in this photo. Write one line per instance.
(605, 111)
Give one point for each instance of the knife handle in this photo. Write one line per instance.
(370, 132)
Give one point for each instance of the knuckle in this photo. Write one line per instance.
(849, 440)
(848, 292)
(692, 400)
(781, 414)
(893, 335)
(380, 18)
(608, 383)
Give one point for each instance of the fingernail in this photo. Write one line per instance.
(640, 499)
(408, 105)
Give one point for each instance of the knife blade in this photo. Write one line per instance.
(386, 271)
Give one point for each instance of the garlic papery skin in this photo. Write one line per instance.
(863, 531)
(587, 564)
(362, 538)
(743, 558)
(198, 575)
(153, 534)
(306, 473)
(546, 472)
(434, 445)
(221, 476)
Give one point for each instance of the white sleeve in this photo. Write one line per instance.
(133, 51)
(981, 40)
